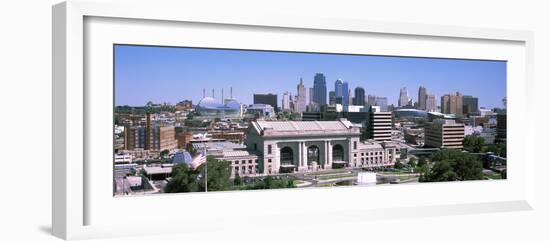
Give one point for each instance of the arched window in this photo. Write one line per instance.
(286, 156)
(337, 153)
(313, 155)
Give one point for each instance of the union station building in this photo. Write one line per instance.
(301, 146)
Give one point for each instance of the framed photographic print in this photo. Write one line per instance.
(278, 117)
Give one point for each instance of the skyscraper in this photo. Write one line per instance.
(379, 125)
(430, 103)
(331, 97)
(349, 97)
(403, 97)
(341, 92)
(301, 97)
(320, 89)
(359, 98)
(268, 99)
(310, 94)
(382, 102)
(470, 104)
(371, 100)
(501, 128)
(452, 104)
(285, 102)
(346, 94)
(338, 86)
(422, 98)
(444, 134)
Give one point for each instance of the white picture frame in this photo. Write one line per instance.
(76, 198)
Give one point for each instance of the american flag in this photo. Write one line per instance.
(199, 159)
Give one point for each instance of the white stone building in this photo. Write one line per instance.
(290, 146)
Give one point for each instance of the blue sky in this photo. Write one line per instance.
(170, 74)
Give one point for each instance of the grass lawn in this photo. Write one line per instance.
(330, 177)
(495, 176)
(406, 178)
(297, 182)
(325, 172)
(394, 172)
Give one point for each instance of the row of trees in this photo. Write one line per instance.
(142, 110)
(269, 183)
(416, 164)
(185, 179)
(477, 144)
(452, 165)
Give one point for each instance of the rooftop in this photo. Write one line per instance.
(235, 153)
(342, 126)
(223, 145)
(152, 170)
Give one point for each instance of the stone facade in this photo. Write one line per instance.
(301, 146)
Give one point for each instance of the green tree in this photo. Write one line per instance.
(451, 165)
(184, 179)
(422, 162)
(492, 148)
(440, 172)
(474, 143)
(290, 184)
(468, 167)
(218, 174)
(164, 153)
(270, 183)
(398, 164)
(237, 181)
(412, 162)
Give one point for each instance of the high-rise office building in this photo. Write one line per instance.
(379, 125)
(285, 102)
(501, 128)
(470, 104)
(311, 96)
(300, 105)
(359, 98)
(452, 104)
(341, 92)
(443, 133)
(382, 102)
(422, 98)
(349, 98)
(331, 97)
(431, 105)
(445, 108)
(403, 97)
(371, 100)
(320, 89)
(268, 99)
(338, 88)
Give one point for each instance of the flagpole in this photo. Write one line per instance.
(206, 170)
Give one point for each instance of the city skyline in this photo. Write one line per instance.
(172, 74)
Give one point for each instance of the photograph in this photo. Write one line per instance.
(190, 119)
